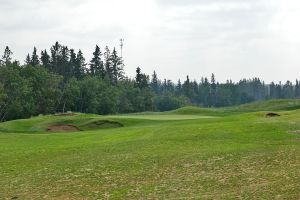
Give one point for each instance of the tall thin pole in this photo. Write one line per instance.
(121, 45)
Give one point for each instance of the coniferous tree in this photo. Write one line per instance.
(204, 90)
(60, 60)
(187, 87)
(154, 83)
(164, 86)
(195, 91)
(27, 60)
(45, 58)
(6, 57)
(79, 69)
(297, 89)
(73, 62)
(279, 90)
(108, 69)
(138, 77)
(170, 86)
(96, 64)
(117, 67)
(65, 69)
(34, 58)
(288, 90)
(55, 57)
(178, 90)
(213, 91)
(272, 90)
(141, 79)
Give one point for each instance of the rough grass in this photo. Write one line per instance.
(271, 105)
(232, 156)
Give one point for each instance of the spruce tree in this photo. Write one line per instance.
(34, 58)
(45, 58)
(64, 67)
(27, 60)
(187, 87)
(141, 79)
(213, 83)
(138, 77)
(6, 58)
(73, 62)
(80, 65)
(272, 90)
(108, 68)
(170, 86)
(297, 89)
(117, 67)
(96, 64)
(154, 83)
(213, 91)
(178, 87)
(55, 57)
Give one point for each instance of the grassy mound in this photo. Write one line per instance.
(193, 110)
(59, 123)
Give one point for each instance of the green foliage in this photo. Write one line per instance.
(169, 101)
(70, 95)
(60, 82)
(15, 99)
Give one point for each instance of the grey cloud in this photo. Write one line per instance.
(251, 21)
(215, 35)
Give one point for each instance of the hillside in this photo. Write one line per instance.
(184, 154)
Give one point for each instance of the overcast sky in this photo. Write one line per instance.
(232, 38)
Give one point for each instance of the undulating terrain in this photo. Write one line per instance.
(246, 152)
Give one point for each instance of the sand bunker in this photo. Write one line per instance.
(272, 115)
(103, 124)
(63, 128)
(294, 132)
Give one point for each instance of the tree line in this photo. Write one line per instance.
(62, 80)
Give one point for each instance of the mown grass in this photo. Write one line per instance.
(158, 156)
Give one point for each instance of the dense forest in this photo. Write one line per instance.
(62, 80)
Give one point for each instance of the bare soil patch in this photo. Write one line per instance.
(272, 115)
(295, 132)
(62, 128)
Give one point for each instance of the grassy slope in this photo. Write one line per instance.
(270, 105)
(241, 155)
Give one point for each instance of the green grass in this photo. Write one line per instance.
(190, 153)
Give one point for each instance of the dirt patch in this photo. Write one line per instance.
(295, 132)
(62, 128)
(272, 115)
